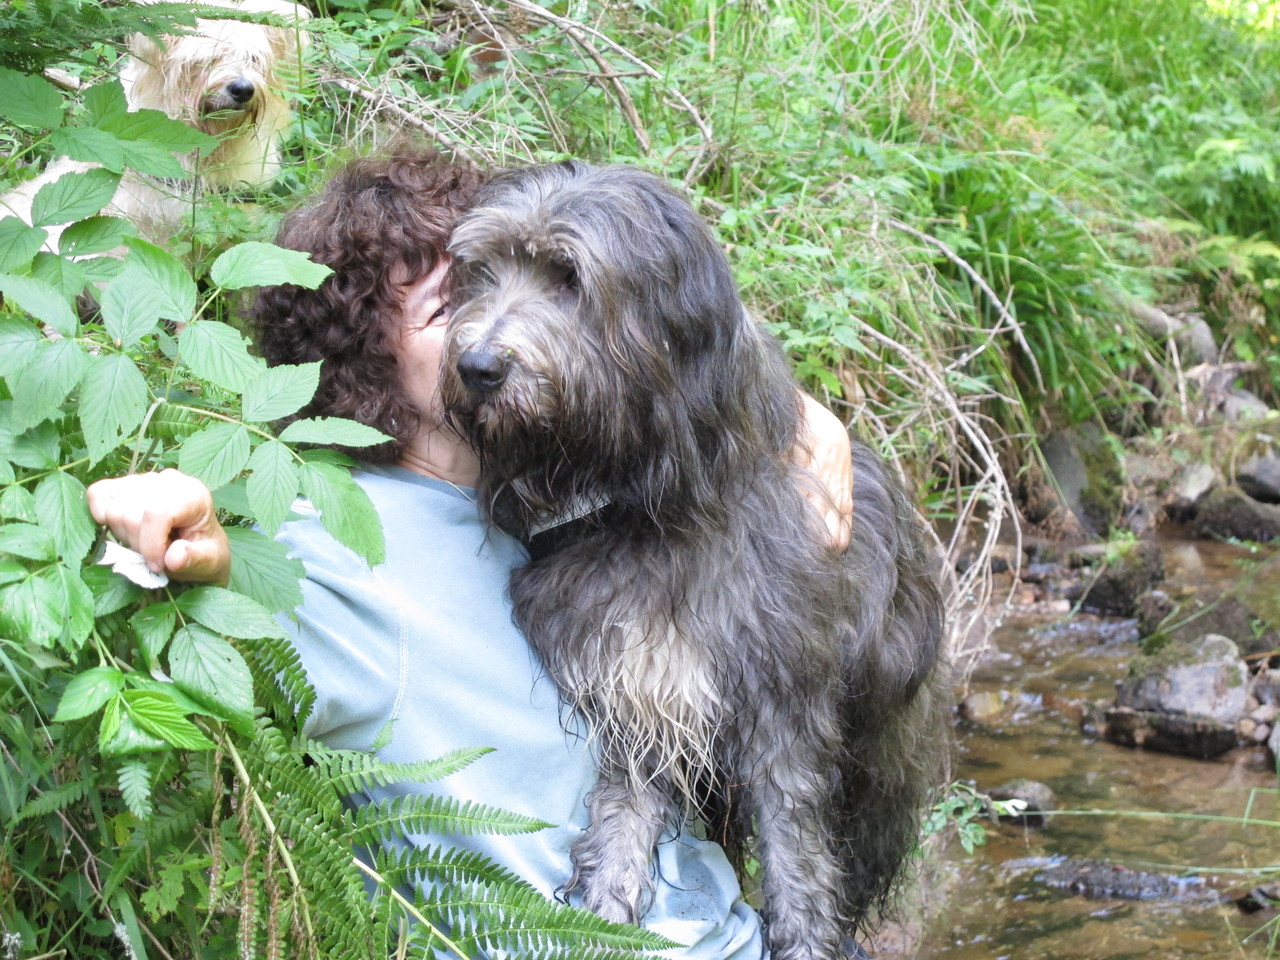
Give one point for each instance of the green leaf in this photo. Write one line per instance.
(273, 484)
(229, 613)
(216, 454)
(120, 735)
(153, 626)
(255, 264)
(42, 301)
(27, 540)
(51, 373)
(95, 235)
(157, 160)
(218, 353)
(103, 100)
(113, 401)
(159, 716)
(280, 391)
(63, 509)
(31, 609)
(262, 568)
(89, 145)
(18, 243)
(29, 100)
(11, 571)
(174, 286)
(211, 672)
(18, 340)
(73, 196)
(111, 591)
(88, 692)
(17, 503)
(154, 125)
(135, 787)
(36, 448)
(334, 430)
(345, 510)
(65, 276)
(75, 606)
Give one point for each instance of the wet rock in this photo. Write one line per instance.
(1266, 687)
(984, 708)
(1239, 404)
(1259, 476)
(1230, 512)
(1086, 466)
(1191, 485)
(1097, 880)
(1204, 678)
(1135, 569)
(1038, 797)
(1189, 617)
(1198, 737)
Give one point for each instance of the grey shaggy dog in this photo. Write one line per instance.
(723, 654)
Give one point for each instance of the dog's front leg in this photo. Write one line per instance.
(613, 859)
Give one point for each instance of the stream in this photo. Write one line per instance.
(995, 904)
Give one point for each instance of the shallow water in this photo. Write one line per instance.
(989, 905)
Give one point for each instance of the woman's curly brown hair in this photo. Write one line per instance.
(380, 223)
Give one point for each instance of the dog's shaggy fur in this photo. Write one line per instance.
(226, 79)
(721, 651)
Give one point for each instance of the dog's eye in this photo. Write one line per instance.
(569, 281)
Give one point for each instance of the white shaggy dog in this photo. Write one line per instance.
(225, 79)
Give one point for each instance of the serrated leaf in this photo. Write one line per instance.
(229, 613)
(30, 609)
(154, 125)
(157, 160)
(175, 288)
(18, 339)
(88, 692)
(216, 454)
(153, 626)
(103, 100)
(332, 430)
(28, 541)
(17, 503)
(65, 276)
(42, 301)
(29, 100)
(113, 401)
(63, 509)
(262, 568)
(76, 606)
(159, 716)
(211, 672)
(73, 196)
(36, 448)
(52, 371)
(89, 145)
(345, 510)
(279, 391)
(273, 484)
(135, 787)
(121, 736)
(255, 264)
(95, 235)
(218, 353)
(111, 592)
(18, 243)
(11, 570)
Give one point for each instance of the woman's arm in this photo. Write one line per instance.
(169, 518)
(823, 452)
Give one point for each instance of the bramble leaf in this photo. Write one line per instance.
(216, 454)
(153, 626)
(113, 400)
(213, 673)
(262, 568)
(95, 235)
(279, 391)
(272, 485)
(218, 353)
(88, 692)
(229, 613)
(73, 196)
(18, 243)
(345, 510)
(159, 716)
(43, 301)
(332, 430)
(175, 288)
(255, 264)
(29, 100)
(63, 510)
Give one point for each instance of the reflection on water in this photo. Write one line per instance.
(993, 907)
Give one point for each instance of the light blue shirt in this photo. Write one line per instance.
(426, 640)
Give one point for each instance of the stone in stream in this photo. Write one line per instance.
(1099, 880)
(1038, 797)
(1232, 513)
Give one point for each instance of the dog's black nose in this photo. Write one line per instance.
(483, 371)
(241, 91)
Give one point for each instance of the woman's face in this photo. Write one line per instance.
(425, 314)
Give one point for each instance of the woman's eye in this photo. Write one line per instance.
(440, 315)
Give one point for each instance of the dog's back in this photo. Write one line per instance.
(719, 648)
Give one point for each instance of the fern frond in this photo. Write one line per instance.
(54, 799)
(135, 787)
(277, 668)
(351, 771)
(430, 813)
(433, 864)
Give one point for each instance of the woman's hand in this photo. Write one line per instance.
(168, 517)
(823, 452)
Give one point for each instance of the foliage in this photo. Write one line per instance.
(156, 798)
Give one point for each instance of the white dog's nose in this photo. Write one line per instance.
(241, 91)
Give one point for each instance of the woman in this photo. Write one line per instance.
(425, 641)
